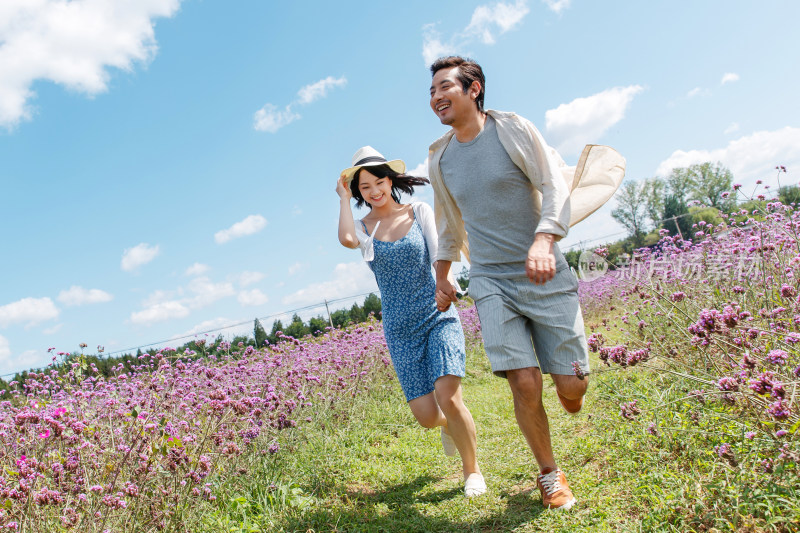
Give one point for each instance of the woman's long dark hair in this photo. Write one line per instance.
(400, 182)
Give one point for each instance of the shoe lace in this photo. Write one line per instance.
(551, 482)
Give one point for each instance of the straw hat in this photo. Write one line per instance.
(367, 156)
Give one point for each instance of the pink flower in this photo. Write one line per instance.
(44, 434)
(777, 357)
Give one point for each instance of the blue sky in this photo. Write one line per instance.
(167, 167)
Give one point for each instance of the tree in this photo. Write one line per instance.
(244, 339)
(372, 304)
(340, 318)
(317, 325)
(675, 217)
(708, 182)
(654, 190)
(273, 336)
(679, 184)
(573, 258)
(709, 215)
(259, 334)
(357, 313)
(631, 209)
(297, 328)
(463, 278)
(790, 195)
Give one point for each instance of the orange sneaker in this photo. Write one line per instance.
(570, 406)
(555, 490)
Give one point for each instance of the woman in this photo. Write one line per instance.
(399, 243)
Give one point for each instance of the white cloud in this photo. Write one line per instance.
(698, 91)
(297, 267)
(220, 325)
(5, 350)
(206, 292)
(733, 128)
(584, 120)
(270, 118)
(141, 254)
(503, 16)
(52, 331)
(77, 295)
(29, 311)
(15, 363)
(196, 269)
(159, 296)
(486, 20)
(315, 91)
(296, 211)
(749, 158)
(598, 229)
(432, 45)
(557, 5)
(421, 194)
(252, 297)
(73, 44)
(250, 225)
(165, 305)
(160, 312)
(420, 170)
(349, 279)
(248, 278)
(729, 77)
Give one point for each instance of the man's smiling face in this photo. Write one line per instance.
(448, 99)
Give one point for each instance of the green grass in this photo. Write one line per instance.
(376, 470)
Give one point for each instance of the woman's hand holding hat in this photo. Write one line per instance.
(342, 189)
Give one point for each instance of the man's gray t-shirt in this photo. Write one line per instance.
(498, 203)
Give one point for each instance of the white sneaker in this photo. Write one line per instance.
(475, 485)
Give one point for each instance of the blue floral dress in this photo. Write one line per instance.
(424, 343)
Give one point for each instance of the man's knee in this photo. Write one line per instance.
(526, 385)
(571, 387)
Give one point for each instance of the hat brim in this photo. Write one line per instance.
(397, 165)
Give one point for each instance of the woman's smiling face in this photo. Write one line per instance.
(375, 191)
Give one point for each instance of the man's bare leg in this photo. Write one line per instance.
(526, 388)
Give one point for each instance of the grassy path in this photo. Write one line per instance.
(382, 472)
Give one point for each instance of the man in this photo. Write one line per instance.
(496, 181)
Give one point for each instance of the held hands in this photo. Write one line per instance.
(445, 294)
(540, 266)
(342, 189)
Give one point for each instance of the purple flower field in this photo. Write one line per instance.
(138, 450)
(718, 321)
(96, 454)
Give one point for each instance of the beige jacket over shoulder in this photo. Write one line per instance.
(566, 195)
